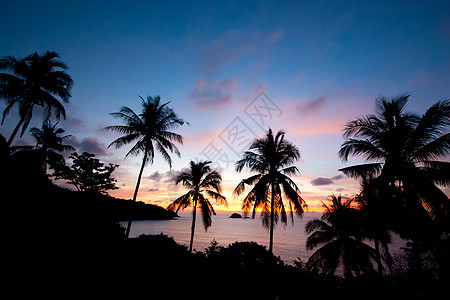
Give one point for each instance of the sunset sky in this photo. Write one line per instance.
(232, 69)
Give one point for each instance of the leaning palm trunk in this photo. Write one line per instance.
(130, 219)
(14, 133)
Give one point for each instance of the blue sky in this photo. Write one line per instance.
(321, 63)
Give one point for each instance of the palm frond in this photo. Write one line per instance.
(206, 210)
(363, 171)
(240, 188)
(181, 202)
(439, 147)
(362, 148)
(438, 171)
(317, 224)
(326, 259)
(220, 199)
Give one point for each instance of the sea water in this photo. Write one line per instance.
(289, 241)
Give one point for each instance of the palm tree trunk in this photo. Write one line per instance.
(272, 217)
(13, 134)
(127, 233)
(378, 254)
(194, 212)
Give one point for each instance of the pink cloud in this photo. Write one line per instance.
(275, 35)
(311, 106)
(331, 127)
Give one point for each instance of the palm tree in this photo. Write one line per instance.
(48, 139)
(34, 80)
(151, 132)
(373, 201)
(405, 149)
(200, 179)
(340, 232)
(272, 158)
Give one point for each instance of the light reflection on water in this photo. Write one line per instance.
(289, 240)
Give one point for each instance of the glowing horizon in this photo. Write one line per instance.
(318, 65)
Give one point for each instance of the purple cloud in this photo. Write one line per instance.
(321, 181)
(311, 106)
(90, 144)
(212, 94)
(325, 181)
(156, 176)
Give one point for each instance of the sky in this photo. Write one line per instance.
(232, 69)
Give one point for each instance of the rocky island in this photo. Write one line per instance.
(236, 216)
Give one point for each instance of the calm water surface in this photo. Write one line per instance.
(289, 241)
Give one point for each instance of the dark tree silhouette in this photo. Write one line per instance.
(200, 179)
(405, 148)
(34, 80)
(373, 201)
(88, 174)
(340, 231)
(151, 130)
(271, 157)
(48, 140)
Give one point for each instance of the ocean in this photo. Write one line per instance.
(289, 241)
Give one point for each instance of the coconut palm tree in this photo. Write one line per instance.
(48, 140)
(151, 132)
(373, 201)
(34, 80)
(404, 149)
(340, 234)
(199, 180)
(271, 157)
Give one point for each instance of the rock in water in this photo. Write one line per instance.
(236, 216)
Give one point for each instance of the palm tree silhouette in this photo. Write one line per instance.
(151, 132)
(34, 80)
(373, 201)
(272, 158)
(405, 148)
(48, 139)
(340, 232)
(200, 179)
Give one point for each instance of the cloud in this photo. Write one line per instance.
(325, 181)
(153, 190)
(73, 124)
(321, 181)
(332, 127)
(258, 89)
(212, 94)
(223, 50)
(275, 35)
(156, 176)
(337, 177)
(311, 106)
(169, 176)
(90, 144)
(231, 46)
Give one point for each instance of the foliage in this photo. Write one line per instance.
(34, 80)
(271, 157)
(48, 139)
(405, 148)
(341, 233)
(200, 179)
(151, 130)
(87, 173)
